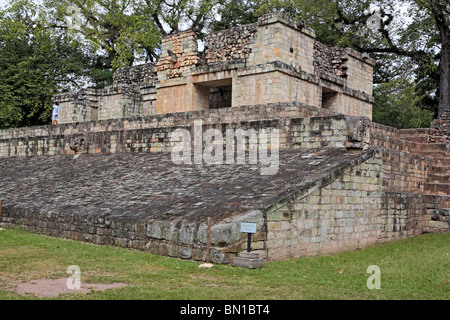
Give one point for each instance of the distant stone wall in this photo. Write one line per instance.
(230, 44)
(243, 113)
(330, 60)
(135, 75)
(118, 102)
(179, 51)
(443, 123)
(276, 59)
(76, 106)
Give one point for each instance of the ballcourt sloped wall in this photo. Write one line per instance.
(377, 196)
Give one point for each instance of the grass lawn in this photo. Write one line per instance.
(417, 268)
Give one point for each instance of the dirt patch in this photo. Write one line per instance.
(208, 281)
(51, 288)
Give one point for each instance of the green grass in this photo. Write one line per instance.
(417, 268)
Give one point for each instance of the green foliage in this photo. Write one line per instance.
(236, 12)
(66, 44)
(34, 65)
(121, 29)
(397, 105)
(177, 15)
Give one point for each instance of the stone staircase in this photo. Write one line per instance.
(434, 144)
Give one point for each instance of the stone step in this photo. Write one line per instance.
(439, 178)
(439, 214)
(444, 202)
(439, 139)
(413, 132)
(440, 169)
(249, 260)
(440, 162)
(416, 138)
(437, 188)
(437, 220)
(434, 201)
(433, 147)
(435, 154)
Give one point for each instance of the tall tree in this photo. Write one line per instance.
(176, 15)
(120, 28)
(408, 38)
(398, 105)
(420, 33)
(232, 13)
(35, 63)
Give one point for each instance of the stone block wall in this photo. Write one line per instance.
(351, 212)
(148, 99)
(402, 214)
(116, 102)
(243, 113)
(177, 238)
(435, 217)
(330, 132)
(274, 86)
(405, 168)
(342, 215)
(329, 60)
(404, 171)
(279, 39)
(113, 102)
(135, 76)
(76, 106)
(359, 71)
(273, 60)
(132, 94)
(354, 106)
(416, 162)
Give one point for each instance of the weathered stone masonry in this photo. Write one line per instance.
(274, 60)
(105, 175)
(340, 200)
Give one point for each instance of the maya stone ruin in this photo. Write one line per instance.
(105, 174)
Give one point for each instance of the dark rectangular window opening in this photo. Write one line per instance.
(220, 97)
(329, 99)
(214, 94)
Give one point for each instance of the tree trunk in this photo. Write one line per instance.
(444, 68)
(437, 11)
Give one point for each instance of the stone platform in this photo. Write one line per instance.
(248, 260)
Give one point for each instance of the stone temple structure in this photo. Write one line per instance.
(271, 61)
(107, 175)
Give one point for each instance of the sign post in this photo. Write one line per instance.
(1, 205)
(248, 259)
(249, 228)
